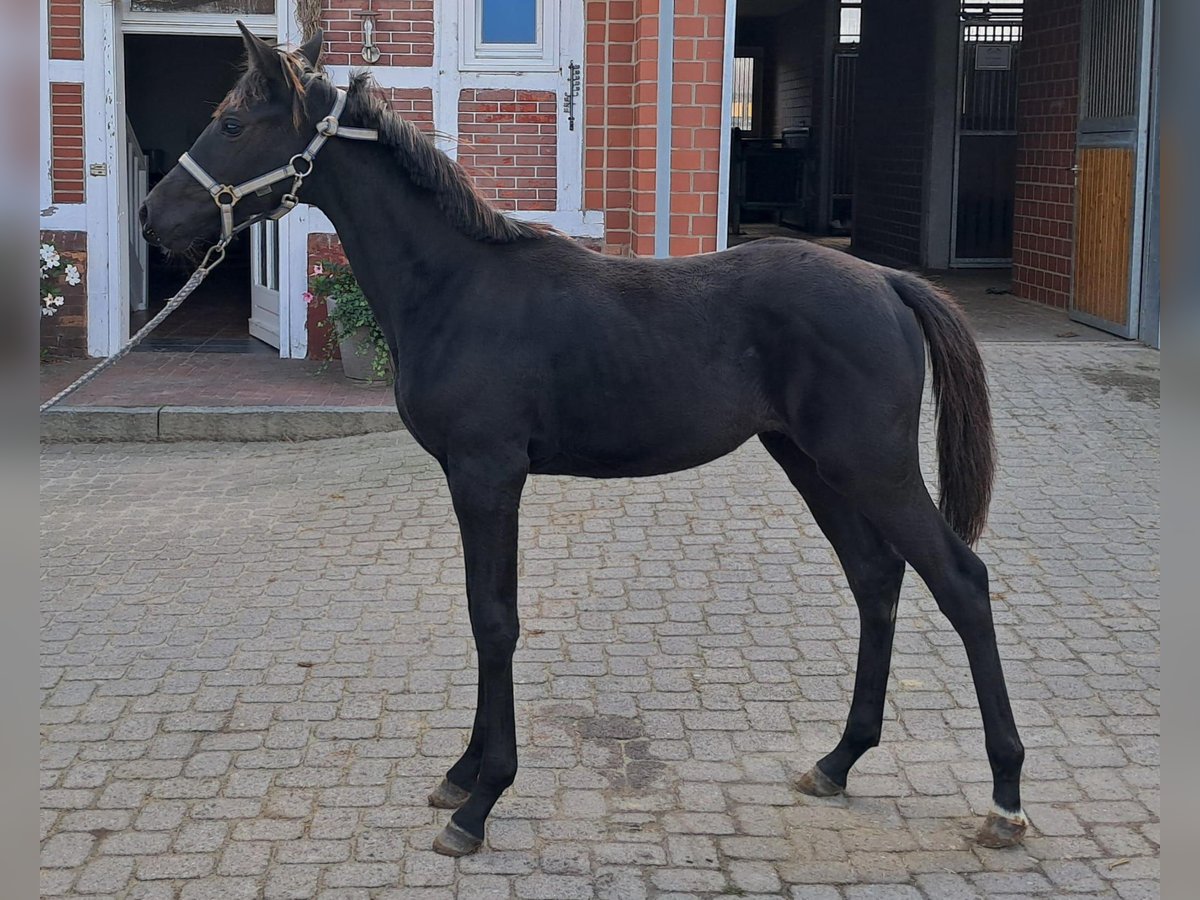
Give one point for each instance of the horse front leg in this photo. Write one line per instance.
(486, 495)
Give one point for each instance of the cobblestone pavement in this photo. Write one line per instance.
(257, 663)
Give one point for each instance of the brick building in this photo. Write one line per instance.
(933, 133)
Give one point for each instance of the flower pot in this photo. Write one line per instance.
(356, 350)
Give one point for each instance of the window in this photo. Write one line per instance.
(508, 21)
(851, 21)
(508, 35)
(743, 93)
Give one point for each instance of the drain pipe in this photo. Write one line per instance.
(662, 148)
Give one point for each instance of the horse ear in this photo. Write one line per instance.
(261, 55)
(311, 49)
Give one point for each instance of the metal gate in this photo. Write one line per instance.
(841, 168)
(1111, 164)
(985, 153)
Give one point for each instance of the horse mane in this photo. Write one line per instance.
(431, 169)
(427, 166)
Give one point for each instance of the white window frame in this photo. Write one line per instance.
(476, 56)
(182, 22)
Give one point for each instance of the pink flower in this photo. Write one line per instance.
(309, 298)
(318, 269)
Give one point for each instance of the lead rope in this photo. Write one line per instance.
(213, 258)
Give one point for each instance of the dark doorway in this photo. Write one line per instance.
(986, 167)
(172, 85)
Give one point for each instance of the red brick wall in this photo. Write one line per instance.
(403, 32)
(414, 104)
(620, 97)
(66, 29)
(621, 117)
(1047, 118)
(65, 333)
(66, 142)
(321, 345)
(507, 142)
(696, 125)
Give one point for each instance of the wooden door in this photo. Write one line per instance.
(1104, 237)
(1111, 164)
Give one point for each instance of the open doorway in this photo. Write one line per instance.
(791, 144)
(173, 83)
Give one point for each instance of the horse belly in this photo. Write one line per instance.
(628, 438)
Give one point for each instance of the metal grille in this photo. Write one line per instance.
(845, 65)
(1111, 50)
(743, 93)
(986, 142)
(989, 96)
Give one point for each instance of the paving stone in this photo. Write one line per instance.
(258, 661)
(66, 850)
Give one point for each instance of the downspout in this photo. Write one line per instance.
(662, 141)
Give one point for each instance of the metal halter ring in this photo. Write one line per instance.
(308, 162)
(225, 191)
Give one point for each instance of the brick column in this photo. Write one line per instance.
(1047, 120)
(696, 134)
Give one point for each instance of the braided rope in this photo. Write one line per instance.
(190, 285)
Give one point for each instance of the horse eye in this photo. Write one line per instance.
(231, 127)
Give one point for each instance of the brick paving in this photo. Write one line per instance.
(212, 379)
(257, 663)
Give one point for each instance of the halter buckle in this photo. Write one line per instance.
(307, 161)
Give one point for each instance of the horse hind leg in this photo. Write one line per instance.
(875, 572)
(888, 490)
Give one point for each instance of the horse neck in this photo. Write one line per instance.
(398, 242)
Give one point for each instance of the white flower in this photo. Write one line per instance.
(58, 301)
(49, 255)
(72, 276)
(48, 305)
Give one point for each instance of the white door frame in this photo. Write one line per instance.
(104, 129)
(723, 163)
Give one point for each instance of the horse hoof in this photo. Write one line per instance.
(816, 783)
(455, 841)
(448, 796)
(1002, 829)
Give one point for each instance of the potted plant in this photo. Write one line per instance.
(363, 348)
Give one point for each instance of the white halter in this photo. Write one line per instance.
(298, 168)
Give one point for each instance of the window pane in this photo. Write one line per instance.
(743, 93)
(509, 21)
(235, 7)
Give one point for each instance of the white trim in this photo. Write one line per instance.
(99, 29)
(116, 185)
(724, 149)
(199, 24)
(64, 70)
(569, 150)
(411, 78)
(64, 217)
(572, 222)
(293, 241)
(478, 56)
(662, 128)
(45, 182)
(447, 79)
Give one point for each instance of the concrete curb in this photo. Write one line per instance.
(94, 424)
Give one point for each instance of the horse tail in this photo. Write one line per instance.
(965, 445)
